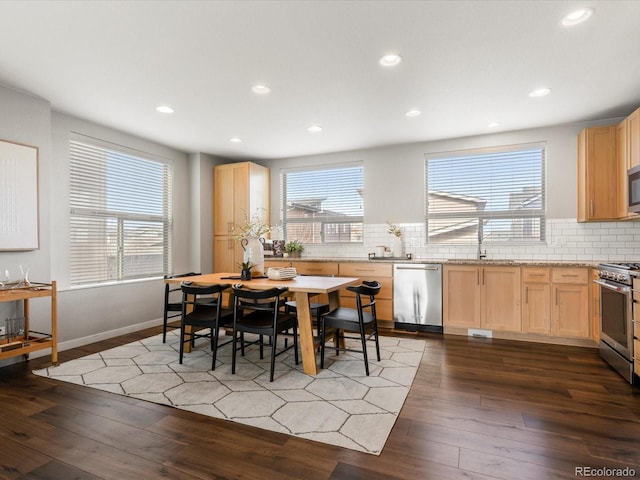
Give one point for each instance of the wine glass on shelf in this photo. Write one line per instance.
(24, 273)
(4, 278)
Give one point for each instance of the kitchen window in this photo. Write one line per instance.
(494, 195)
(322, 205)
(120, 205)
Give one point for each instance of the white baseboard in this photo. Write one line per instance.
(80, 342)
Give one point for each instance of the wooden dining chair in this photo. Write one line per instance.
(361, 319)
(202, 311)
(259, 312)
(172, 303)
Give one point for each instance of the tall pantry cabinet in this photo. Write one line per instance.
(240, 191)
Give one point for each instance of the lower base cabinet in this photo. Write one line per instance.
(482, 297)
(383, 273)
(556, 302)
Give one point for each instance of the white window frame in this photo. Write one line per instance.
(481, 217)
(103, 237)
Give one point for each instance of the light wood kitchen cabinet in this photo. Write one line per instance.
(595, 306)
(598, 176)
(570, 307)
(461, 296)
(241, 190)
(536, 300)
(381, 272)
(482, 297)
(501, 299)
(633, 138)
(623, 161)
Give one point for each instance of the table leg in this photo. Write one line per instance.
(305, 330)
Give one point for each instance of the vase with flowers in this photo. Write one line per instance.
(398, 247)
(250, 235)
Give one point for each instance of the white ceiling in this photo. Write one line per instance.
(465, 64)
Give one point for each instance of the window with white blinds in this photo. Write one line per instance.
(491, 195)
(120, 214)
(322, 205)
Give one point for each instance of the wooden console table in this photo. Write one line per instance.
(29, 341)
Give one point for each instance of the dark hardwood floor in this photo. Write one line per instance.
(478, 409)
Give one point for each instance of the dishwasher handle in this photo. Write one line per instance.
(419, 268)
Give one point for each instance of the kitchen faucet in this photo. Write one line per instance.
(481, 255)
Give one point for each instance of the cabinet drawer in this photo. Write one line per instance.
(276, 263)
(316, 268)
(535, 275)
(384, 308)
(636, 367)
(569, 275)
(636, 291)
(366, 271)
(636, 330)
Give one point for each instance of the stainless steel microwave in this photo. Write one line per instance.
(634, 189)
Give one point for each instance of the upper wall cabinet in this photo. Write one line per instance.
(633, 139)
(597, 174)
(240, 191)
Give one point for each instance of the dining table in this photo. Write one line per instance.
(303, 287)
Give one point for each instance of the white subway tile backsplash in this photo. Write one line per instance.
(567, 240)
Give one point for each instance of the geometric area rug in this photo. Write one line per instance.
(340, 406)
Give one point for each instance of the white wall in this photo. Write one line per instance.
(25, 119)
(394, 175)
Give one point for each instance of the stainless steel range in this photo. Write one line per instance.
(616, 282)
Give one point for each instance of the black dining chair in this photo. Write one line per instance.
(202, 311)
(361, 319)
(172, 302)
(259, 312)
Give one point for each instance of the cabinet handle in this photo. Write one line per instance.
(526, 294)
(567, 275)
(591, 208)
(556, 296)
(478, 277)
(365, 270)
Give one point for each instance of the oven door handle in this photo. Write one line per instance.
(626, 290)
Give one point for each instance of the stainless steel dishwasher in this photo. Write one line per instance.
(417, 296)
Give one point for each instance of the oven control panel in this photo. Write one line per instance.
(620, 277)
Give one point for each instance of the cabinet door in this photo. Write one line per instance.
(500, 300)
(597, 174)
(461, 296)
(231, 197)
(633, 142)
(227, 254)
(570, 312)
(595, 307)
(622, 152)
(536, 308)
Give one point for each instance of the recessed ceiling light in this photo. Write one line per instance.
(390, 60)
(540, 92)
(413, 113)
(579, 16)
(235, 140)
(315, 129)
(260, 89)
(164, 109)
(493, 125)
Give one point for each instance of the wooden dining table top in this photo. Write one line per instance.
(300, 283)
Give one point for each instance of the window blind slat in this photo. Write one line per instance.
(121, 215)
